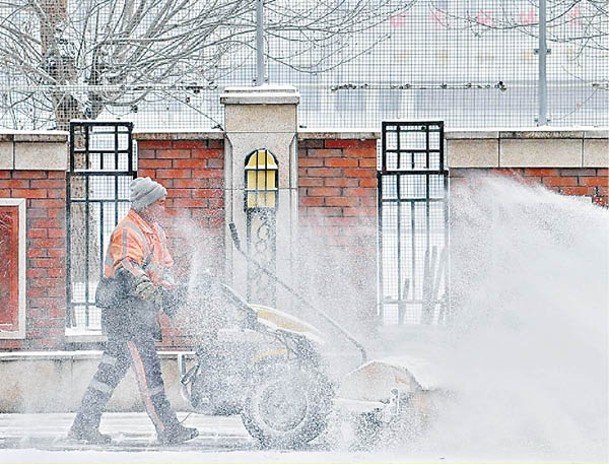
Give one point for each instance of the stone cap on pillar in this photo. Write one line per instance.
(261, 95)
(263, 109)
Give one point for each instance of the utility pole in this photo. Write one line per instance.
(259, 42)
(542, 87)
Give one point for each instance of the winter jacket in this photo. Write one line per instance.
(136, 247)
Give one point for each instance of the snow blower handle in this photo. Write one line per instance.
(301, 299)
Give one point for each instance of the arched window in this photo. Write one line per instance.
(261, 197)
(261, 180)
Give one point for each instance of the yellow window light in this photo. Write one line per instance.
(261, 182)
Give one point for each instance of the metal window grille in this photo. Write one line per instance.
(261, 198)
(102, 165)
(413, 224)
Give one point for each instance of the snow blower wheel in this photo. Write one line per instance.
(287, 405)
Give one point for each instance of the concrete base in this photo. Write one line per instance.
(35, 382)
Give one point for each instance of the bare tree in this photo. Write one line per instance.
(95, 53)
(582, 22)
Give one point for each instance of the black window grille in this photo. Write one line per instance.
(102, 165)
(413, 224)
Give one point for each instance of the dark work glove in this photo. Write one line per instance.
(147, 291)
(173, 299)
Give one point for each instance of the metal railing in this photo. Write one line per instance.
(102, 165)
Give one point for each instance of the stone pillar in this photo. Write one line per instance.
(262, 117)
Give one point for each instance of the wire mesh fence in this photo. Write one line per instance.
(471, 63)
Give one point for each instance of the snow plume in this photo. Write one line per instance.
(526, 363)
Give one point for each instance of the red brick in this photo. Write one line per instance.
(360, 172)
(602, 172)
(154, 144)
(188, 203)
(217, 203)
(208, 193)
(541, 172)
(188, 144)
(173, 153)
(54, 223)
(45, 263)
(324, 153)
(156, 164)
(342, 201)
(560, 181)
(36, 253)
(324, 172)
(147, 173)
(145, 154)
(56, 175)
(361, 212)
(311, 201)
(35, 273)
(322, 211)
(361, 153)
(17, 183)
(188, 183)
(368, 163)
(594, 181)
(360, 192)
(333, 143)
(58, 272)
(188, 163)
(310, 162)
(578, 172)
(323, 192)
(30, 175)
(341, 162)
(48, 203)
(46, 242)
(5, 174)
(340, 182)
(179, 193)
(56, 193)
(205, 153)
(310, 143)
(174, 173)
(368, 182)
(215, 163)
(29, 193)
(310, 182)
(48, 184)
(207, 173)
(577, 191)
(37, 233)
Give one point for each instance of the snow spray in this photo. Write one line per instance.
(525, 362)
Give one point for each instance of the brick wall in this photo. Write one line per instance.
(592, 183)
(45, 192)
(337, 217)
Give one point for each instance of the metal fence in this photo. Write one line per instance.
(413, 224)
(473, 63)
(102, 165)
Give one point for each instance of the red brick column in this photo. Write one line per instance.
(45, 194)
(338, 218)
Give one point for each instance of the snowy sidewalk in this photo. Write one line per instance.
(41, 438)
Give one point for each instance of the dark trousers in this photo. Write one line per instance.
(117, 357)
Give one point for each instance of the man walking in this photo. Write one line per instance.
(139, 264)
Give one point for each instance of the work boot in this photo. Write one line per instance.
(177, 434)
(89, 436)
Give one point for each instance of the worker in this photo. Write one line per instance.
(137, 270)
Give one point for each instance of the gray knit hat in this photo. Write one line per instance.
(144, 192)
